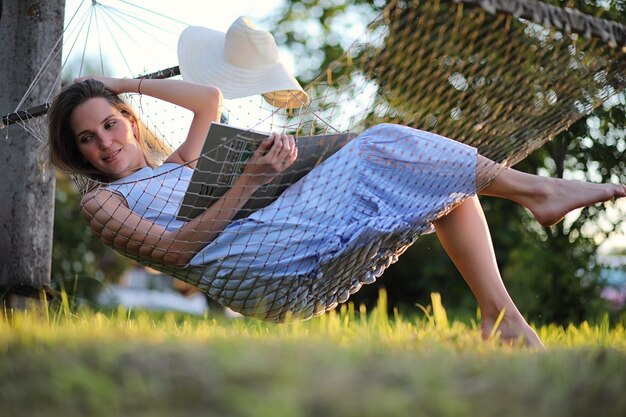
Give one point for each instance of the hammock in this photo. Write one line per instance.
(500, 76)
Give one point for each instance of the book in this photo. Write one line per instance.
(223, 158)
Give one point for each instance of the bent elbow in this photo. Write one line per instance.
(175, 259)
(214, 95)
(209, 102)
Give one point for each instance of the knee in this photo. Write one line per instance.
(389, 132)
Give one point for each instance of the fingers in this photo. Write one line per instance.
(286, 150)
(278, 151)
(283, 146)
(273, 156)
(91, 77)
(113, 84)
(266, 145)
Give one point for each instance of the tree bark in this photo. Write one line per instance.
(28, 33)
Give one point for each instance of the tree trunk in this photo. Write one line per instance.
(28, 33)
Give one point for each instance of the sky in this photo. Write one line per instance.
(147, 30)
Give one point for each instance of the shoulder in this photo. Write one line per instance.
(175, 158)
(98, 199)
(104, 210)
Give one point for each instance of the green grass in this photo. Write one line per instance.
(55, 362)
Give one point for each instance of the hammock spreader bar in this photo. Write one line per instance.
(42, 109)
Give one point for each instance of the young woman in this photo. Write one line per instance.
(362, 207)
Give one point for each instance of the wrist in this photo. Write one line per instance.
(250, 181)
(131, 85)
(122, 85)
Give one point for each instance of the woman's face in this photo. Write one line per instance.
(106, 138)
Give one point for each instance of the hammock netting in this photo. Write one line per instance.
(499, 77)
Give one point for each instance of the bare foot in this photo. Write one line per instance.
(556, 197)
(511, 331)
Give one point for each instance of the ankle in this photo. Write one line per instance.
(511, 332)
(490, 311)
(520, 187)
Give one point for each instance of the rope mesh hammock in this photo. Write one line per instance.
(499, 77)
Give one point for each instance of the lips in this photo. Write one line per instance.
(112, 155)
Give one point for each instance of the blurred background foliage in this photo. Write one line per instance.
(553, 274)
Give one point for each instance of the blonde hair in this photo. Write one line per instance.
(63, 152)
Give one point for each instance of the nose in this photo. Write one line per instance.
(105, 140)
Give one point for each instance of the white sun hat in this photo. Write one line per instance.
(242, 62)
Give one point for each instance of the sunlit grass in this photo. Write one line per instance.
(57, 361)
(348, 326)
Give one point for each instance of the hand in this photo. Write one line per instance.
(273, 156)
(116, 85)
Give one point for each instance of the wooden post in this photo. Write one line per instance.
(28, 33)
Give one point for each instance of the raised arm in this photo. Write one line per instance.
(204, 101)
(117, 226)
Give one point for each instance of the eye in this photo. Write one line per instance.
(110, 124)
(86, 139)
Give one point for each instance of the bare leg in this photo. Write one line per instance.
(465, 236)
(548, 199)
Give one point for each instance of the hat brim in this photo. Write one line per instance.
(201, 59)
